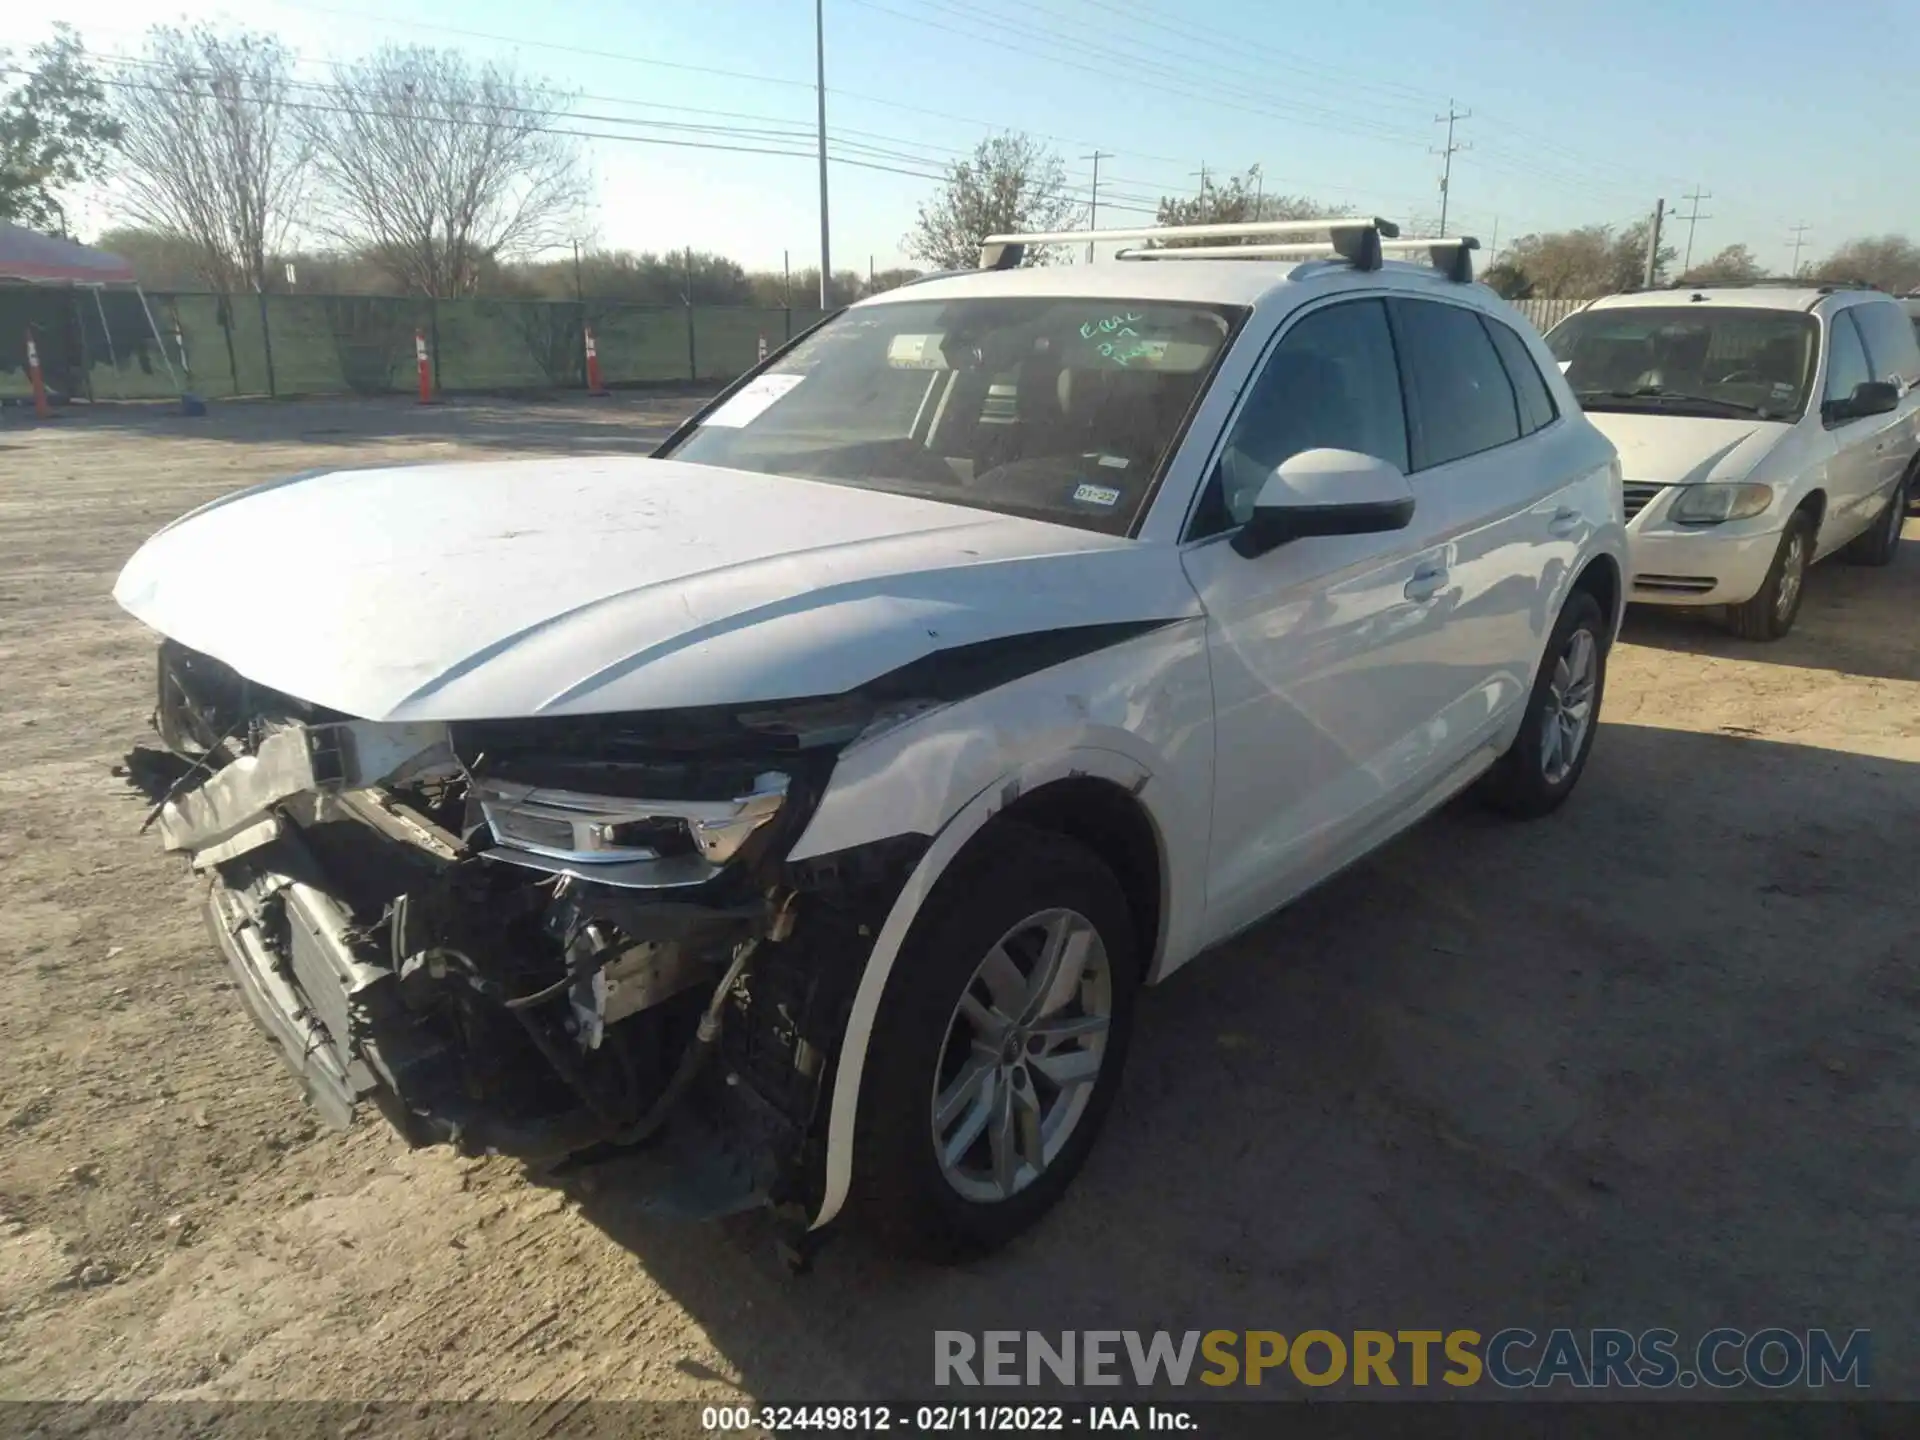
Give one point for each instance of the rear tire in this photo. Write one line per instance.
(1879, 544)
(947, 990)
(1544, 763)
(1772, 611)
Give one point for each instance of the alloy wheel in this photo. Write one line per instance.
(1793, 571)
(1568, 712)
(1023, 1049)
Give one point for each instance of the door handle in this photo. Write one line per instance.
(1427, 582)
(1563, 523)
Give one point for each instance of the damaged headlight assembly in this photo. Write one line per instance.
(640, 843)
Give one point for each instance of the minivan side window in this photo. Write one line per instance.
(1536, 401)
(1330, 383)
(1890, 345)
(1847, 363)
(1463, 403)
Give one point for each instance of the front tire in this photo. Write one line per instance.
(998, 1046)
(1544, 763)
(1771, 612)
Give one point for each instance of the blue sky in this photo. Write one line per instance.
(1786, 113)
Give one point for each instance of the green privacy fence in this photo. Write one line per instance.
(98, 344)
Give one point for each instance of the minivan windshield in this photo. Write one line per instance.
(1050, 408)
(1690, 360)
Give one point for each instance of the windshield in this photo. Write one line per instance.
(1055, 409)
(1689, 360)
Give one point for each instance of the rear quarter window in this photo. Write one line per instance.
(1889, 337)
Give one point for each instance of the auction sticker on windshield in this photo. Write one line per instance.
(752, 400)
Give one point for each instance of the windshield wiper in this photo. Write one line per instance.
(1659, 392)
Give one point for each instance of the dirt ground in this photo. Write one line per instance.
(1650, 1062)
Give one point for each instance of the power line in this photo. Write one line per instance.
(646, 60)
(1446, 154)
(1188, 85)
(1799, 233)
(1693, 217)
(1093, 206)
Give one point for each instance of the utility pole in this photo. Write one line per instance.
(1259, 192)
(1653, 244)
(1446, 154)
(1799, 233)
(579, 295)
(1693, 217)
(820, 94)
(1093, 209)
(1202, 173)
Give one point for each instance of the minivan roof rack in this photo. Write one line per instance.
(1773, 282)
(1362, 241)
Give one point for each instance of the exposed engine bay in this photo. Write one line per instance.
(555, 938)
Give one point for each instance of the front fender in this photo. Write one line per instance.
(843, 1116)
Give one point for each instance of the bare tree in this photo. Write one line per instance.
(1011, 182)
(436, 169)
(209, 154)
(1891, 262)
(1736, 262)
(1238, 200)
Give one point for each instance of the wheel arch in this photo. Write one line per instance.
(1071, 794)
(1601, 578)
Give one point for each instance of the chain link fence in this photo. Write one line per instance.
(1545, 314)
(98, 345)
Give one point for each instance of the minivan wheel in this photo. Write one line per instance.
(1543, 764)
(1878, 545)
(998, 1046)
(1772, 611)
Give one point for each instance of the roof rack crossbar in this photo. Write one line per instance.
(1004, 252)
(1363, 250)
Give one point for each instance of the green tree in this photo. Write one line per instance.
(1010, 182)
(55, 131)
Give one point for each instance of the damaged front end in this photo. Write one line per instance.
(548, 937)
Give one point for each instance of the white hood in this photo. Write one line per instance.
(1687, 449)
(594, 585)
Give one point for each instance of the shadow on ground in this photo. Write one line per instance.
(1855, 620)
(628, 422)
(1618, 1068)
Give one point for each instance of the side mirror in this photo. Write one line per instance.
(1870, 397)
(1326, 492)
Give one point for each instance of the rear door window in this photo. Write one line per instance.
(1463, 403)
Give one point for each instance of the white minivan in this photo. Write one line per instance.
(1760, 428)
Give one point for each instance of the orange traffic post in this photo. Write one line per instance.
(33, 375)
(426, 370)
(594, 385)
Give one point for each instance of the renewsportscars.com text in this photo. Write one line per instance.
(1771, 1358)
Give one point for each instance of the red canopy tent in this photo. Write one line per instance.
(30, 258)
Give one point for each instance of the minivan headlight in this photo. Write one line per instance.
(1711, 504)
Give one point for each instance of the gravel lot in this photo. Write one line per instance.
(1651, 1062)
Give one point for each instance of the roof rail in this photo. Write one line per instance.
(1773, 282)
(1362, 241)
